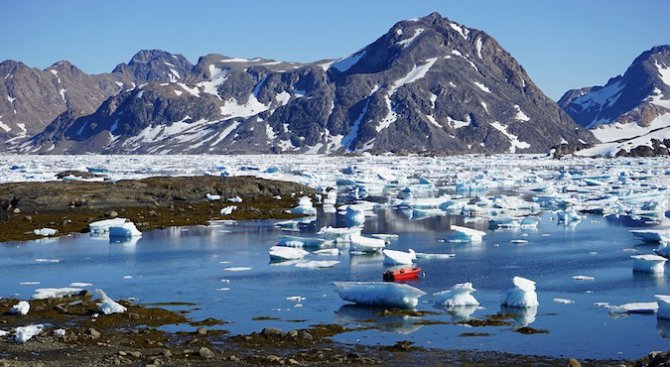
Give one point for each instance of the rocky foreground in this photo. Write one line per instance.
(157, 202)
(135, 338)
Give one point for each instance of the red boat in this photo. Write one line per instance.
(402, 274)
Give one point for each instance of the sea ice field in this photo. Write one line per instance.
(586, 232)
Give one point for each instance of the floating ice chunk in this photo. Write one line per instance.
(563, 301)
(80, 284)
(385, 236)
(30, 283)
(286, 253)
(379, 294)
(458, 296)
(663, 306)
(20, 308)
(108, 305)
(47, 260)
(518, 241)
(211, 197)
(366, 244)
(304, 207)
(467, 234)
(45, 232)
(522, 295)
(235, 199)
(663, 250)
(44, 293)
(651, 235)
(582, 277)
(648, 263)
(25, 333)
(317, 264)
(102, 226)
(354, 216)
(295, 298)
(427, 256)
(327, 252)
(530, 222)
(238, 268)
(126, 230)
(331, 198)
(295, 241)
(340, 234)
(635, 307)
(59, 333)
(568, 215)
(228, 210)
(394, 257)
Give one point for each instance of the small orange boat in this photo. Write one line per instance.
(402, 274)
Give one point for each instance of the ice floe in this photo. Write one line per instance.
(522, 295)
(379, 294)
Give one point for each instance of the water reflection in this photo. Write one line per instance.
(663, 328)
(521, 317)
(377, 317)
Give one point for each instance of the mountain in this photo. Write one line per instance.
(631, 113)
(428, 85)
(30, 98)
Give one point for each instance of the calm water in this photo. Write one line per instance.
(187, 264)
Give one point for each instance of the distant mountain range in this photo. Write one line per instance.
(429, 85)
(630, 114)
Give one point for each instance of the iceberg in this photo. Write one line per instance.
(379, 294)
(648, 263)
(20, 308)
(211, 197)
(634, 307)
(327, 252)
(317, 264)
(25, 333)
(44, 293)
(295, 241)
(394, 257)
(427, 256)
(354, 217)
(568, 215)
(45, 232)
(102, 226)
(663, 306)
(126, 230)
(108, 305)
(331, 197)
(663, 250)
(304, 207)
(366, 244)
(651, 235)
(465, 234)
(286, 253)
(228, 210)
(458, 296)
(340, 234)
(522, 295)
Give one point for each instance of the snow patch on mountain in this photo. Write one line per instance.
(520, 115)
(408, 41)
(514, 141)
(349, 61)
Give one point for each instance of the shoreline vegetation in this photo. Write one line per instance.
(138, 337)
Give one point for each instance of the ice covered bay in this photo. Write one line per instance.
(189, 264)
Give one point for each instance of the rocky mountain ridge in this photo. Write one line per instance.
(428, 85)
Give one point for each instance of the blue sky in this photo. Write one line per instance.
(561, 44)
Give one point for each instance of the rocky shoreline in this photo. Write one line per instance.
(68, 206)
(136, 338)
